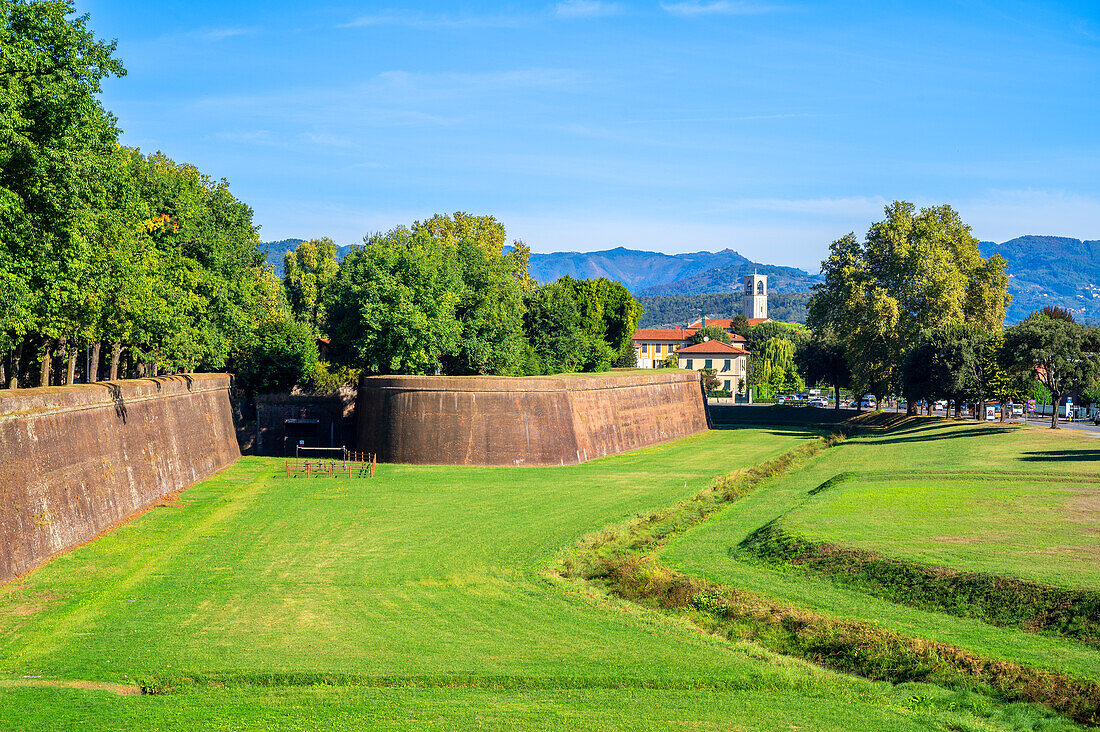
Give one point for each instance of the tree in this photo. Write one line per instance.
(392, 307)
(54, 139)
(485, 231)
(914, 271)
(553, 327)
(710, 333)
(283, 355)
(709, 379)
(739, 324)
(490, 310)
(821, 359)
(1060, 353)
(309, 271)
(608, 313)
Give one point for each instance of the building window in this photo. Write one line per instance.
(760, 288)
(656, 349)
(727, 385)
(645, 348)
(708, 364)
(689, 363)
(727, 368)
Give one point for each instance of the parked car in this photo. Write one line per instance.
(867, 403)
(781, 400)
(821, 402)
(1016, 410)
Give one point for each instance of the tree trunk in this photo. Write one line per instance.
(16, 366)
(44, 366)
(3, 374)
(70, 374)
(93, 364)
(836, 395)
(1054, 401)
(116, 354)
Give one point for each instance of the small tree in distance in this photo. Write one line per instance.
(1060, 352)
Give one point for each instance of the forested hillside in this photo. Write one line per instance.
(678, 310)
(1051, 270)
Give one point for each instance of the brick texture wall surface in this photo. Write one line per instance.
(75, 460)
(482, 420)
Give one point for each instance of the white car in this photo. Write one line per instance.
(867, 403)
(819, 402)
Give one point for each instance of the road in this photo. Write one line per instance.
(1037, 421)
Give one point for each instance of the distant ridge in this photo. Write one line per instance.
(656, 273)
(1051, 270)
(1043, 270)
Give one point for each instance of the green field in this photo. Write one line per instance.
(959, 495)
(424, 597)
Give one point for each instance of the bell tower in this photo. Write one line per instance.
(756, 296)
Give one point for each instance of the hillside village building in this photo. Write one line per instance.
(653, 345)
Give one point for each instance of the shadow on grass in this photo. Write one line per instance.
(1045, 456)
(945, 435)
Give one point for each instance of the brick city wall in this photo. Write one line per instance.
(484, 420)
(75, 460)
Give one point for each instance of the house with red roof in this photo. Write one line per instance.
(730, 363)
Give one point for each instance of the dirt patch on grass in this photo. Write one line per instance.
(120, 689)
(28, 605)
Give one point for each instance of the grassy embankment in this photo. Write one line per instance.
(422, 598)
(980, 538)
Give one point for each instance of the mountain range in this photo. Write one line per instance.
(1043, 270)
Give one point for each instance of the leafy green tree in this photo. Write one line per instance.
(822, 359)
(709, 378)
(308, 273)
(1059, 352)
(282, 355)
(485, 231)
(915, 270)
(739, 324)
(54, 138)
(608, 313)
(553, 327)
(490, 310)
(392, 307)
(710, 333)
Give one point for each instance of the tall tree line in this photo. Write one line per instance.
(111, 262)
(915, 310)
(442, 296)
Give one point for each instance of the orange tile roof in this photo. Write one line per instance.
(662, 334)
(725, 323)
(713, 347)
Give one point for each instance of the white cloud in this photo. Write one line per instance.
(585, 9)
(213, 35)
(425, 21)
(692, 8)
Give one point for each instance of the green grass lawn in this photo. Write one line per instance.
(419, 598)
(1000, 523)
(1037, 528)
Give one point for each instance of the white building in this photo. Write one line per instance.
(730, 363)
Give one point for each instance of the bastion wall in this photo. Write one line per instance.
(75, 460)
(484, 420)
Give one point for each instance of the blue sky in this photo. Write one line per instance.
(768, 127)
